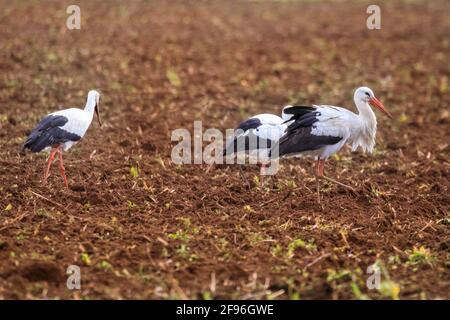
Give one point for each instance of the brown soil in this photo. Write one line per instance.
(177, 232)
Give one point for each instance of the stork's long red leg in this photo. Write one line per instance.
(320, 172)
(61, 167)
(321, 167)
(49, 164)
(210, 167)
(243, 177)
(262, 173)
(317, 173)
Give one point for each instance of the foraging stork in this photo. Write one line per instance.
(60, 130)
(254, 138)
(322, 130)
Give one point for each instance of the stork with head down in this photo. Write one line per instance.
(253, 139)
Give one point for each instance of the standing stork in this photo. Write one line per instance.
(254, 138)
(60, 130)
(322, 130)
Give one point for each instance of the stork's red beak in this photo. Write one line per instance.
(98, 115)
(377, 104)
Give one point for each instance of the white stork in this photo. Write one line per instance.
(322, 130)
(60, 130)
(254, 138)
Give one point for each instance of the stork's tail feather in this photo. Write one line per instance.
(30, 142)
(37, 142)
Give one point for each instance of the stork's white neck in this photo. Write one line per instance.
(368, 126)
(90, 104)
(365, 111)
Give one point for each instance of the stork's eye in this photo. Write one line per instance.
(367, 94)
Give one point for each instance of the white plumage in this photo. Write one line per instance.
(60, 130)
(322, 130)
(253, 139)
(255, 136)
(79, 121)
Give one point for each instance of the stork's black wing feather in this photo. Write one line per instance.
(298, 111)
(300, 140)
(48, 132)
(248, 124)
(307, 120)
(298, 137)
(247, 143)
